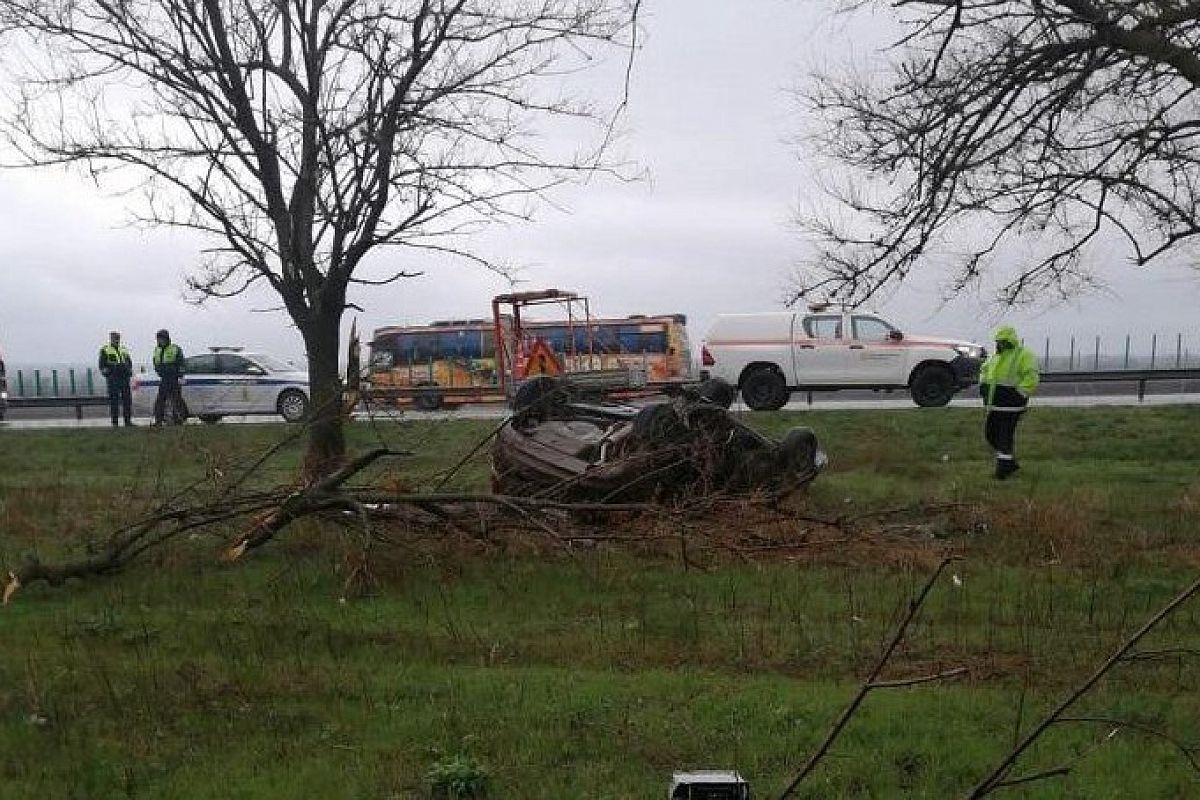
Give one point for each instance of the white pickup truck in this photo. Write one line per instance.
(770, 355)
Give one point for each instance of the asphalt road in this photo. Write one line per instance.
(1175, 392)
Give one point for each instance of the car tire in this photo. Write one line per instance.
(209, 419)
(798, 454)
(539, 397)
(292, 405)
(427, 398)
(718, 392)
(932, 386)
(764, 389)
(658, 425)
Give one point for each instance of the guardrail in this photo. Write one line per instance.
(59, 402)
(1139, 376)
(54, 382)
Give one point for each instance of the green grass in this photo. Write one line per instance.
(594, 676)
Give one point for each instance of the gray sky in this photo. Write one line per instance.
(710, 120)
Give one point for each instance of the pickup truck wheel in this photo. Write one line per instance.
(932, 386)
(209, 419)
(764, 390)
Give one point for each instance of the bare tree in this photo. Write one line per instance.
(304, 135)
(1053, 127)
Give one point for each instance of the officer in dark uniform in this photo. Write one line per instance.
(168, 363)
(117, 368)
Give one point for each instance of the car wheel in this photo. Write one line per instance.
(764, 389)
(209, 419)
(538, 397)
(658, 425)
(798, 454)
(932, 386)
(427, 398)
(718, 392)
(292, 405)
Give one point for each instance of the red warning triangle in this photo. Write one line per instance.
(540, 360)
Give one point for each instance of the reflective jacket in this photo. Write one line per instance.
(115, 363)
(1009, 377)
(168, 361)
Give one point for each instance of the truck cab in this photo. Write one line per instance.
(769, 355)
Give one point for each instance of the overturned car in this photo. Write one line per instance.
(560, 445)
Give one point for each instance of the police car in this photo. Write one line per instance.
(226, 381)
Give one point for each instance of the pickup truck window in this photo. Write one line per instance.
(871, 329)
(824, 326)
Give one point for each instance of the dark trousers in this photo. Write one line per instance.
(119, 394)
(1000, 428)
(169, 392)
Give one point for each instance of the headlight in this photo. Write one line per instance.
(969, 350)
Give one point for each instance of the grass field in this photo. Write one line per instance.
(595, 674)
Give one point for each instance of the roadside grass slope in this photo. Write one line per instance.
(594, 675)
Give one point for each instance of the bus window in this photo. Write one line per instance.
(415, 349)
(383, 353)
(459, 344)
(553, 335)
(634, 339)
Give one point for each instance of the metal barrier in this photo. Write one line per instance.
(1139, 376)
(59, 402)
(52, 382)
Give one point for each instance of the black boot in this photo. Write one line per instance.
(1005, 467)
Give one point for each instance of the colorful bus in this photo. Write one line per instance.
(454, 361)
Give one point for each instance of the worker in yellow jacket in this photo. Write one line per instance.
(1006, 381)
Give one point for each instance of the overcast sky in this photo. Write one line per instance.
(712, 122)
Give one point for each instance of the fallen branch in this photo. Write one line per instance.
(318, 496)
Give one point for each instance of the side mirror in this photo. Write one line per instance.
(895, 336)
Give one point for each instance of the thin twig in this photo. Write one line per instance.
(914, 607)
(996, 776)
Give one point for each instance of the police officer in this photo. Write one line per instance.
(1006, 381)
(117, 369)
(168, 363)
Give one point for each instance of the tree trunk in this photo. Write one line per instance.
(326, 437)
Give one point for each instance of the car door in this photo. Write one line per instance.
(819, 350)
(875, 357)
(201, 384)
(242, 389)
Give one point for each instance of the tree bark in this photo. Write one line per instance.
(326, 436)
